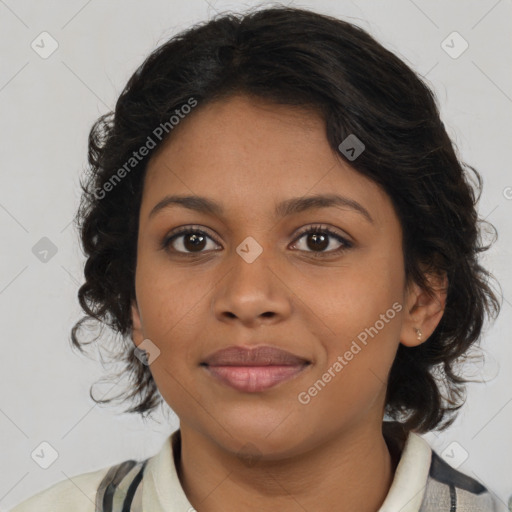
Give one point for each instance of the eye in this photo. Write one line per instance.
(319, 240)
(187, 241)
(191, 240)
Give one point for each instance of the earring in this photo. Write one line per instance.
(418, 332)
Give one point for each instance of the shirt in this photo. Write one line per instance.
(423, 482)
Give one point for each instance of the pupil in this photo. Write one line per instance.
(194, 241)
(317, 237)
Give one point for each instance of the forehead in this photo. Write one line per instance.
(242, 130)
(242, 151)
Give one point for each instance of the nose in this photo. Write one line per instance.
(251, 293)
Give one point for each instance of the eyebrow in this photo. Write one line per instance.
(283, 209)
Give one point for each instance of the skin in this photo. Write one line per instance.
(327, 455)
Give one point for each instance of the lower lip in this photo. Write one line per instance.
(252, 379)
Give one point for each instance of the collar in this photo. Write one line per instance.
(162, 491)
(411, 475)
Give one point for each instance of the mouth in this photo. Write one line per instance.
(253, 370)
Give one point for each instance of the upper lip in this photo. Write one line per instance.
(256, 356)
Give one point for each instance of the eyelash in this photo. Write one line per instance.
(166, 242)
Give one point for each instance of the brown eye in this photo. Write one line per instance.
(187, 241)
(318, 239)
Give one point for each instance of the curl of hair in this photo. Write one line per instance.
(302, 59)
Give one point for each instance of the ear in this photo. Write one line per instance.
(423, 312)
(137, 334)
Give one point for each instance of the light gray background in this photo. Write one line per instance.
(47, 107)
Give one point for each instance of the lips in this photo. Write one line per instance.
(257, 356)
(253, 369)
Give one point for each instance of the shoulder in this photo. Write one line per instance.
(87, 492)
(424, 482)
(76, 493)
(448, 487)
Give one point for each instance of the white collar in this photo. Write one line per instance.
(411, 475)
(162, 491)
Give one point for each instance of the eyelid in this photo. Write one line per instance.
(324, 228)
(183, 230)
(346, 243)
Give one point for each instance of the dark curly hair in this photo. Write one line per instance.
(300, 58)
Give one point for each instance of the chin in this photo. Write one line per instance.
(269, 437)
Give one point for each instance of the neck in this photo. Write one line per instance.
(352, 471)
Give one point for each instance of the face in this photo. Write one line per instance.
(247, 275)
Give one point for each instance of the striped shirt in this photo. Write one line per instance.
(423, 482)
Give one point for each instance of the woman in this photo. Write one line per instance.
(276, 220)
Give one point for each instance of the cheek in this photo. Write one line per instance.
(354, 377)
(171, 320)
(357, 317)
(345, 301)
(167, 297)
